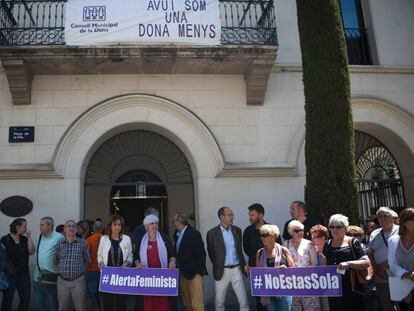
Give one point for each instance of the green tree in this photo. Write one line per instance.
(329, 140)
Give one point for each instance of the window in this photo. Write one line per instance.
(356, 35)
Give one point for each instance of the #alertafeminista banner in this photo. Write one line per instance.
(132, 281)
(149, 22)
(305, 281)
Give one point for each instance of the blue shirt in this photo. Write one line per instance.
(231, 254)
(180, 237)
(46, 253)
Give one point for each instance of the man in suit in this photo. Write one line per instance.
(224, 247)
(191, 260)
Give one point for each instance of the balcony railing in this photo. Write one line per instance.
(25, 22)
(357, 44)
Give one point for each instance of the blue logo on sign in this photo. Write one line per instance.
(94, 13)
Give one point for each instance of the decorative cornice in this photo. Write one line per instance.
(79, 126)
(232, 170)
(352, 69)
(29, 171)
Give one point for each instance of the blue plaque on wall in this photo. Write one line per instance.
(21, 134)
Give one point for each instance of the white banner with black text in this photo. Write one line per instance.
(149, 22)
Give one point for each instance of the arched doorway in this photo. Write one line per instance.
(134, 170)
(378, 176)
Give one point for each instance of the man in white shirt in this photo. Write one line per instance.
(378, 254)
(224, 247)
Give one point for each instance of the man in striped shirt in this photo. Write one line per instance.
(72, 256)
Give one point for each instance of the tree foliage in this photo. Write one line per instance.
(329, 140)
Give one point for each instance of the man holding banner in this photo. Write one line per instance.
(191, 260)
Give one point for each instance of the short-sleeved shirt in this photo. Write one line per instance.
(405, 258)
(17, 253)
(379, 248)
(46, 253)
(93, 244)
(71, 258)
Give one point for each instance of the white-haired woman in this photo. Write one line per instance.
(155, 251)
(338, 252)
(304, 255)
(273, 255)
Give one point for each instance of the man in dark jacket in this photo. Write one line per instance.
(224, 246)
(191, 262)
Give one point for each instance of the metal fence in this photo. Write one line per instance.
(376, 193)
(41, 22)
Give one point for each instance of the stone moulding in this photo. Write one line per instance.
(254, 63)
(257, 170)
(29, 171)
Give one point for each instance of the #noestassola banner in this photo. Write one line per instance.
(132, 281)
(305, 281)
(109, 22)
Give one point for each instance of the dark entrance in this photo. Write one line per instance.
(134, 192)
(378, 176)
(134, 170)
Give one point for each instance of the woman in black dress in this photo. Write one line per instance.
(338, 252)
(19, 246)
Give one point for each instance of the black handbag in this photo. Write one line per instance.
(46, 278)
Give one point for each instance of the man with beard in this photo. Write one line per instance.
(251, 239)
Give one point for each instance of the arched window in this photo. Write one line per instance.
(378, 176)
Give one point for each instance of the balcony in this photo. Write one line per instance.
(32, 43)
(357, 45)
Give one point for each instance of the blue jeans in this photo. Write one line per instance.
(279, 304)
(46, 297)
(92, 284)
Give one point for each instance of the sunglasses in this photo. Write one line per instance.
(298, 230)
(336, 227)
(264, 235)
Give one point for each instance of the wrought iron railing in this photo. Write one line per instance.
(376, 193)
(41, 22)
(357, 44)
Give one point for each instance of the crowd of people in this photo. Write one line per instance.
(68, 263)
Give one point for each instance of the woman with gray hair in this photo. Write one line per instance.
(304, 255)
(155, 251)
(347, 253)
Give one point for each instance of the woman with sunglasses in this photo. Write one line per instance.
(337, 251)
(273, 255)
(303, 254)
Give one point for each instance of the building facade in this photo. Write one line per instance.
(188, 128)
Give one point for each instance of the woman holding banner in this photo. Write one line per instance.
(401, 254)
(319, 235)
(304, 255)
(273, 255)
(155, 251)
(347, 253)
(115, 250)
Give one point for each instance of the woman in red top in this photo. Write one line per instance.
(156, 251)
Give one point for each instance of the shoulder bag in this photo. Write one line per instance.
(359, 278)
(46, 278)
